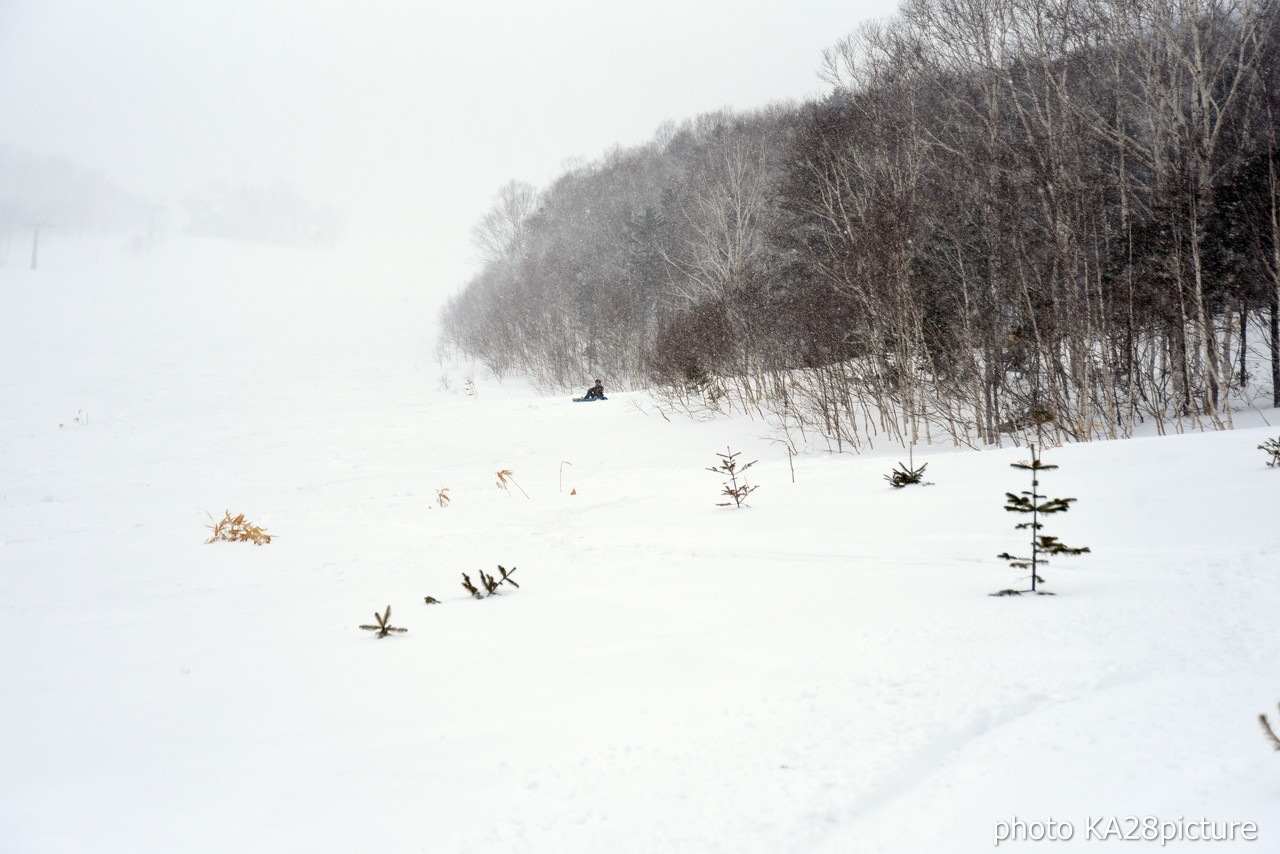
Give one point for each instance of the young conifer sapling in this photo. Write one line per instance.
(736, 489)
(907, 474)
(489, 584)
(384, 627)
(1272, 447)
(1032, 503)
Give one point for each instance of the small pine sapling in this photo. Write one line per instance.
(906, 475)
(470, 587)
(1272, 447)
(733, 488)
(1270, 733)
(384, 627)
(489, 584)
(1036, 505)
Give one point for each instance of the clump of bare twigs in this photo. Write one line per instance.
(237, 529)
(384, 627)
(489, 584)
(505, 477)
(442, 496)
(1271, 733)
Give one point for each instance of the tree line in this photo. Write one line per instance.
(1060, 215)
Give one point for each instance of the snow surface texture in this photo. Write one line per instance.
(820, 672)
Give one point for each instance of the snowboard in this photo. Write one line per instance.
(588, 399)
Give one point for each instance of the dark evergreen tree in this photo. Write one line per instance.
(1036, 505)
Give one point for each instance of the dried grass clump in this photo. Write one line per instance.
(237, 530)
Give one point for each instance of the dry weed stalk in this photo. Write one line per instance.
(507, 475)
(442, 496)
(237, 530)
(384, 627)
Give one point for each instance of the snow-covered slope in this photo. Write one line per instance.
(820, 672)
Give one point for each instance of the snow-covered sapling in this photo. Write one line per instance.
(1272, 447)
(384, 627)
(733, 488)
(1036, 505)
(1271, 734)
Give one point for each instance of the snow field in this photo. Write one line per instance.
(822, 671)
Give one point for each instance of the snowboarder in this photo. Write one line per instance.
(596, 391)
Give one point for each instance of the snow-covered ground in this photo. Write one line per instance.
(820, 672)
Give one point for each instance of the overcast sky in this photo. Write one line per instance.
(411, 114)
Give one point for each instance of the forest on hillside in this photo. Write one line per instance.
(1006, 214)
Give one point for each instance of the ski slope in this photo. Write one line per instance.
(822, 671)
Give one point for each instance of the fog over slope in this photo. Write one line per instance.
(404, 118)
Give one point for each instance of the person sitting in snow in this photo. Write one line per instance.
(595, 391)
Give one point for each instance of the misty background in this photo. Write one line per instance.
(383, 123)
